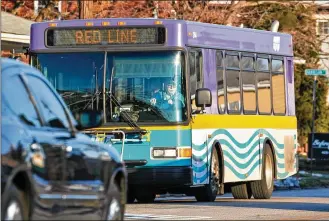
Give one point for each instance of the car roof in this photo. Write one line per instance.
(8, 63)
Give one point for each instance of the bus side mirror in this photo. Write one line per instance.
(203, 97)
(89, 119)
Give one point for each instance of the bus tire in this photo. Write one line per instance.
(262, 189)
(208, 193)
(14, 200)
(241, 191)
(144, 196)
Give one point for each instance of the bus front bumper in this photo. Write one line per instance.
(160, 176)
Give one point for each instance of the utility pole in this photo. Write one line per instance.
(85, 9)
(314, 73)
(313, 119)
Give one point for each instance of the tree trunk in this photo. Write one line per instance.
(86, 9)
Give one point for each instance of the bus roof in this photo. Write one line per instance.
(183, 33)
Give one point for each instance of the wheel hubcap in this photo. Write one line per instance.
(215, 174)
(268, 171)
(13, 212)
(114, 210)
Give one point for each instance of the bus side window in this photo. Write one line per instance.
(278, 87)
(196, 74)
(264, 86)
(220, 82)
(233, 83)
(199, 69)
(248, 78)
(193, 79)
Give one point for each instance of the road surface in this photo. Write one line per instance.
(311, 204)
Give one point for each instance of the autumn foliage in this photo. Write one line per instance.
(295, 17)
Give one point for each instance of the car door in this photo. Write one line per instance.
(19, 122)
(55, 129)
(79, 154)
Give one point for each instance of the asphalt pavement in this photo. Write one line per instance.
(309, 204)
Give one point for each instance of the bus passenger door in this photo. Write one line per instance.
(199, 155)
(201, 74)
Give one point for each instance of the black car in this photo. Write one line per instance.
(50, 170)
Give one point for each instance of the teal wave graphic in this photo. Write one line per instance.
(282, 175)
(229, 135)
(202, 157)
(241, 165)
(238, 155)
(237, 143)
(274, 141)
(279, 155)
(201, 179)
(239, 175)
(201, 168)
(243, 176)
(280, 165)
(226, 143)
(236, 173)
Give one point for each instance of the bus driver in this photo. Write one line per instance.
(168, 99)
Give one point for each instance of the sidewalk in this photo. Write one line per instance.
(303, 180)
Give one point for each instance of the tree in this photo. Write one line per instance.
(295, 17)
(86, 9)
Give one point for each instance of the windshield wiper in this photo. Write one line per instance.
(124, 114)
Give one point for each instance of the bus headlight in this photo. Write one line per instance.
(164, 153)
(171, 152)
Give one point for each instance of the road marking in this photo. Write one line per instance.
(162, 217)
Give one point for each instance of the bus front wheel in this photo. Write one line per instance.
(262, 189)
(209, 192)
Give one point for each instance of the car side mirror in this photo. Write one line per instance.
(203, 98)
(89, 119)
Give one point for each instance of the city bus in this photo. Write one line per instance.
(191, 107)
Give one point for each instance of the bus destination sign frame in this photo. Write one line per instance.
(78, 37)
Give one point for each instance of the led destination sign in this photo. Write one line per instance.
(76, 37)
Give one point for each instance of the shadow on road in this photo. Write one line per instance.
(304, 193)
(264, 204)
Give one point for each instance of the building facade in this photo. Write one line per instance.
(322, 31)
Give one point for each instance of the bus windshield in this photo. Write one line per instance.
(147, 86)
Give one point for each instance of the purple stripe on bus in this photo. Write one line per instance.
(181, 33)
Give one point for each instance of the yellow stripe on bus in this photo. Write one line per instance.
(178, 127)
(244, 121)
(209, 121)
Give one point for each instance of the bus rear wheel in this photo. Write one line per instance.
(262, 189)
(241, 191)
(209, 192)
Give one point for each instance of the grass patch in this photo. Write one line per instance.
(312, 182)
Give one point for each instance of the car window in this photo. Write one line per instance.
(18, 101)
(52, 109)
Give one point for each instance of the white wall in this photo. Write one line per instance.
(324, 59)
